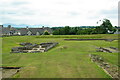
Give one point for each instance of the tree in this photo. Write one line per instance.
(67, 30)
(9, 26)
(98, 30)
(62, 31)
(46, 33)
(56, 32)
(73, 30)
(105, 27)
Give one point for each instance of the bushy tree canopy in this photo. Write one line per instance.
(46, 33)
(104, 28)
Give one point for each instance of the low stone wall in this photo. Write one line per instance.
(110, 69)
(101, 49)
(89, 39)
(109, 50)
(50, 46)
(114, 48)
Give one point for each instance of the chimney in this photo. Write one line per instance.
(1, 26)
(9, 26)
(43, 27)
(27, 27)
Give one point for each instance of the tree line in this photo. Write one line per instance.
(104, 28)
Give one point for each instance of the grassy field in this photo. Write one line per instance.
(70, 62)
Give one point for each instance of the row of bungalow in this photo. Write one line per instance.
(24, 31)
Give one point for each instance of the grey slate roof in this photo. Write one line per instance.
(35, 30)
(48, 29)
(5, 30)
(24, 31)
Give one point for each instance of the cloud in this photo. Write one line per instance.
(58, 12)
(18, 3)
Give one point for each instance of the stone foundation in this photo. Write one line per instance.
(33, 48)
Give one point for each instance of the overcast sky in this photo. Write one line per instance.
(58, 12)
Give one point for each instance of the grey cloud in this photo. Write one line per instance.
(112, 11)
(18, 12)
(74, 13)
(18, 3)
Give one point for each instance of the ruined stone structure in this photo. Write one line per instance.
(33, 48)
(110, 69)
(109, 50)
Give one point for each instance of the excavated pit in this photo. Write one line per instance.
(8, 72)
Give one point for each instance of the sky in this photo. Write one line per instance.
(58, 12)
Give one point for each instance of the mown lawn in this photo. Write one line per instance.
(70, 62)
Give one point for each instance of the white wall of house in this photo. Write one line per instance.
(29, 33)
(9, 34)
(117, 32)
(37, 33)
(19, 33)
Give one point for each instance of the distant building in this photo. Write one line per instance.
(117, 30)
(24, 31)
